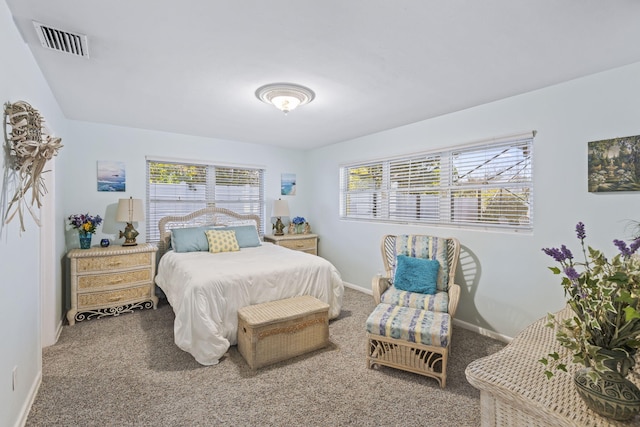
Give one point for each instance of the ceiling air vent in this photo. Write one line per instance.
(62, 41)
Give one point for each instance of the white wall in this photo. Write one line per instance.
(504, 278)
(20, 260)
(89, 142)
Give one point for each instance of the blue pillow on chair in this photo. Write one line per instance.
(416, 274)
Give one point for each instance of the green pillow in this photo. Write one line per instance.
(416, 274)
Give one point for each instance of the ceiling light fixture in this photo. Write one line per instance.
(285, 96)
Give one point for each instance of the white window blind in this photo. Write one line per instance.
(487, 185)
(175, 188)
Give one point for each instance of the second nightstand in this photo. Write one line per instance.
(298, 242)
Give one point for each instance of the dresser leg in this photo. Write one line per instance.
(71, 317)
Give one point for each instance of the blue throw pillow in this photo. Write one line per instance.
(416, 274)
(247, 235)
(190, 239)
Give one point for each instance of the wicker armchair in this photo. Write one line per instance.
(410, 330)
(382, 284)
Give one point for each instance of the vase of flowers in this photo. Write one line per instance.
(86, 225)
(299, 224)
(603, 331)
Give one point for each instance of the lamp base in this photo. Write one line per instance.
(129, 234)
(279, 227)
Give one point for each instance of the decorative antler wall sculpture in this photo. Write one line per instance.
(28, 148)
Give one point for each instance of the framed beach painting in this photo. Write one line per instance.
(288, 184)
(614, 164)
(111, 176)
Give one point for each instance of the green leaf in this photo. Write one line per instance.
(625, 296)
(549, 374)
(631, 313)
(555, 270)
(609, 307)
(544, 361)
(562, 367)
(619, 277)
(554, 355)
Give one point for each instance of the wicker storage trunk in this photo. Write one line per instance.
(278, 330)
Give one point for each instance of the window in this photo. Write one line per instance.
(175, 188)
(483, 185)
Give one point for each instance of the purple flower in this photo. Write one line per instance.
(556, 253)
(571, 273)
(635, 245)
(622, 247)
(566, 252)
(580, 231)
(85, 222)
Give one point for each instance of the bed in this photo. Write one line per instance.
(206, 289)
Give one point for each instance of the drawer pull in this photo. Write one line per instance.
(115, 281)
(299, 246)
(114, 263)
(116, 298)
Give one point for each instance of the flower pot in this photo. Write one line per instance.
(85, 240)
(612, 396)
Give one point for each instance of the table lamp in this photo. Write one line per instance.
(129, 210)
(280, 209)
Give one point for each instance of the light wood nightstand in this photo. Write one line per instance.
(298, 242)
(110, 281)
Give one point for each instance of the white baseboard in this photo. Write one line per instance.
(358, 288)
(462, 324)
(59, 330)
(31, 397)
(482, 331)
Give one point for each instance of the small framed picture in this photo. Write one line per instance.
(111, 176)
(288, 184)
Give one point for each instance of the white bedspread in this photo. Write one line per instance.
(206, 290)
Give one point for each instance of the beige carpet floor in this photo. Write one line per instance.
(127, 371)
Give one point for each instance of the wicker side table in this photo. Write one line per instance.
(110, 281)
(298, 242)
(515, 392)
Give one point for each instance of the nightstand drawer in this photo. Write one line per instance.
(299, 244)
(113, 262)
(120, 296)
(113, 279)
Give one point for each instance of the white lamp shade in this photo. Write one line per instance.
(130, 210)
(280, 208)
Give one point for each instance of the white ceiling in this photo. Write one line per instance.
(193, 66)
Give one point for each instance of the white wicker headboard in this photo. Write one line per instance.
(206, 216)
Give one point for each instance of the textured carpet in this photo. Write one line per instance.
(126, 371)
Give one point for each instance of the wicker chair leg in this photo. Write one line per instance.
(421, 359)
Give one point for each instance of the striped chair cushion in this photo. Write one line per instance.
(409, 324)
(428, 247)
(437, 302)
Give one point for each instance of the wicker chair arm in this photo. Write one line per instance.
(454, 297)
(379, 284)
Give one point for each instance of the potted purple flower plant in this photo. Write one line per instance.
(603, 331)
